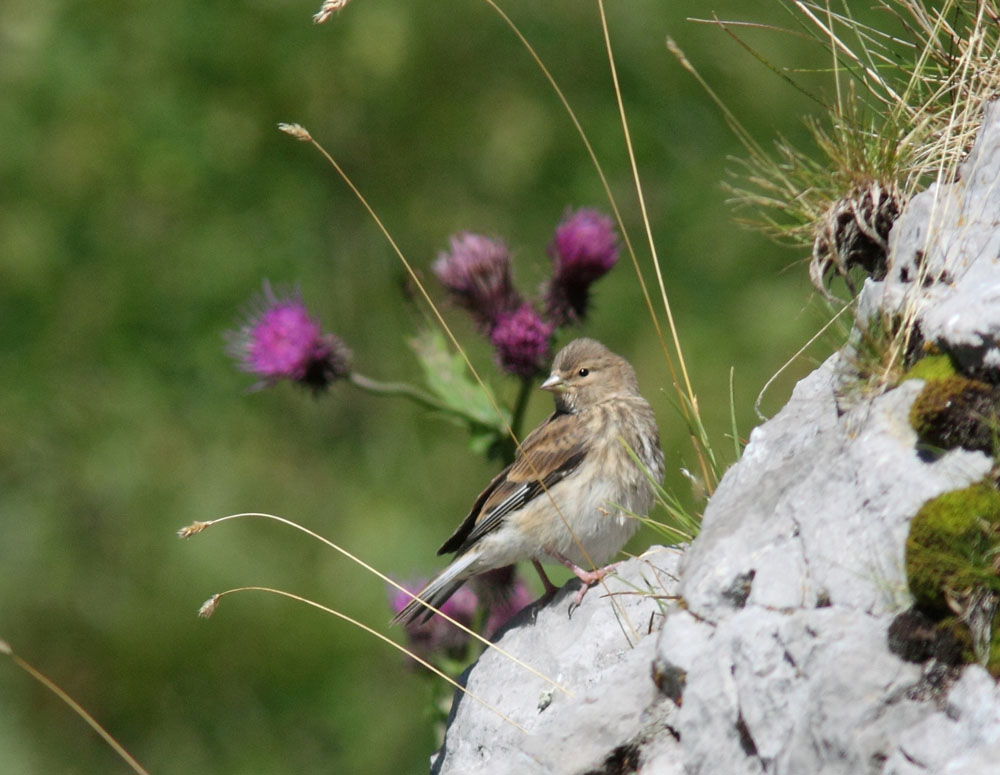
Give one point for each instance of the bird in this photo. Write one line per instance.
(574, 488)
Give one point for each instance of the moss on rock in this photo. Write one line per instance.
(954, 546)
(953, 560)
(931, 367)
(955, 411)
(993, 662)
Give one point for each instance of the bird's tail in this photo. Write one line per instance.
(437, 591)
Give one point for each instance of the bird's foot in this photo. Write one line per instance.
(588, 577)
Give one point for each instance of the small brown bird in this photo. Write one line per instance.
(570, 491)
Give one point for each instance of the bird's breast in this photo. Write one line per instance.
(582, 516)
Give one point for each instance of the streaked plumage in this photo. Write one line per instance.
(563, 498)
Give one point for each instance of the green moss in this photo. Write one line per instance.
(953, 547)
(930, 368)
(956, 412)
(952, 558)
(993, 663)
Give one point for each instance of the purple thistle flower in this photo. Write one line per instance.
(436, 636)
(584, 249)
(522, 342)
(477, 274)
(281, 341)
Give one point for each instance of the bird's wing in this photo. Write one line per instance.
(549, 454)
(462, 531)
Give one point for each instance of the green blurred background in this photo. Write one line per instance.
(145, 192)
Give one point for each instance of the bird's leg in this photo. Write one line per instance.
(588, 577)
(550, 588)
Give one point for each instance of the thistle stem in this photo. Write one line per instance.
(520, 405)
(415, 394)
(508, 447)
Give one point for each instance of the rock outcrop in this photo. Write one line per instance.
(763, 647)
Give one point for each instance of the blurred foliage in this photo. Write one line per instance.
(146, 192)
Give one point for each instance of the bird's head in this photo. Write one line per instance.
(585, 373)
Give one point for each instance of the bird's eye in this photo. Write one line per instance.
(583, 372)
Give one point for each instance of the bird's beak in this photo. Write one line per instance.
(554, 383)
